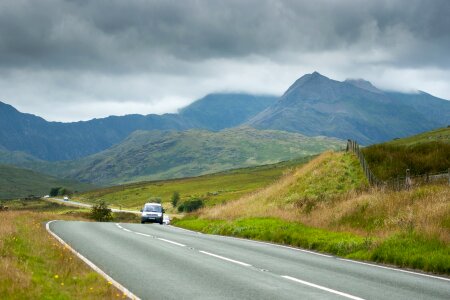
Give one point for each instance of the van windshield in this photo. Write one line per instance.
(152, 208)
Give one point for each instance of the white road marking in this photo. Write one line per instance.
(271, 244)
(322, 288)
(394, 269)
(172, 242)
(183, 229)
(120, 287)
(227, 259)
(142, 234)
(127, 230)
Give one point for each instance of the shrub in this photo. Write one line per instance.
(175, 198)
(101, 213)
(54, 191)
(190, 205)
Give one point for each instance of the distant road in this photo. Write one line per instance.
(165, 262)
(79, 204)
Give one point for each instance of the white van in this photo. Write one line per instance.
(152, 213)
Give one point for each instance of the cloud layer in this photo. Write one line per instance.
(71, 60)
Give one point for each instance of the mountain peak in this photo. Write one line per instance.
(314, 78)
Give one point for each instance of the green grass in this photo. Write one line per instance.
(405, 249)
(425, 153)
(16, 183)
(337, 174)
(215, 188)
(33, 265)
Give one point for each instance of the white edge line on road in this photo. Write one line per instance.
(394, 269)
(227, 259)
(172, 242)
(322, 288)
(183, 229)
(272, 244)
(143, 234)
(92, 265)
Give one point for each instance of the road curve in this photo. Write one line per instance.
(85, 205)
(165, 262)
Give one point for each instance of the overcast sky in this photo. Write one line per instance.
(76, 60)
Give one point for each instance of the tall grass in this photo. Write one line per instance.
(408, 228)
(391, 160)
(33, 265)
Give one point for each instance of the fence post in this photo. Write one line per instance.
(408, 179)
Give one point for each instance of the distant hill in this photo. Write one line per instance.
(220, 111)
(17, 183)
(148, 155)
(53, 141)
(354, 109)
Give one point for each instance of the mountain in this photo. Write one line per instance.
(55, 141)
(17, 183)
(147, 155)
(354, 109)
(220, 111)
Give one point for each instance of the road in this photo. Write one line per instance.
(79, 204)
(165, 262)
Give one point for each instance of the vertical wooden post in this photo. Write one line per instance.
(408, 179)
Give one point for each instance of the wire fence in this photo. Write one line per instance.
(400, 182)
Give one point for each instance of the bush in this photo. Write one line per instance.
(175, 198)
(190, 205)
(54, 191)
(101, 213)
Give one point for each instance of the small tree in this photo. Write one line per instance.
(191, 205)
(101, 213)
(175, 198)
(54, 191)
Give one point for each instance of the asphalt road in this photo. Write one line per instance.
(165, 262)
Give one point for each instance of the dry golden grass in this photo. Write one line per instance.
(267, 201)
(34, 265)
(425, 209)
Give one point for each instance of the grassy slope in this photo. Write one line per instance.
(154, 155)
(33, 265)
(324, 205)
(214, 188)
(16, 182)
(428, 152)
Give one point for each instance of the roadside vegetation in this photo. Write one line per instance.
(326, 205)
(33, 265)
(424, 153)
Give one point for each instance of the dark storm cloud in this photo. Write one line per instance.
(129, 41)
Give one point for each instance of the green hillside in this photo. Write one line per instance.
(427, 152)
(214, 188)
(326, 205)
(154, 155)
(16, 183)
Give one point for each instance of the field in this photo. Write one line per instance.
(326, 205)
(424, 153)
(33, 265)
(214, 189)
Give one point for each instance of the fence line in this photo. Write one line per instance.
(400, 182)
(352, 146)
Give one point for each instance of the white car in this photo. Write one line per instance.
(66, 198)
(152, 213)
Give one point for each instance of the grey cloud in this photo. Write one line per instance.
(181, 49)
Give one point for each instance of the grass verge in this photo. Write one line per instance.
(407, 249)
(33, 265)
